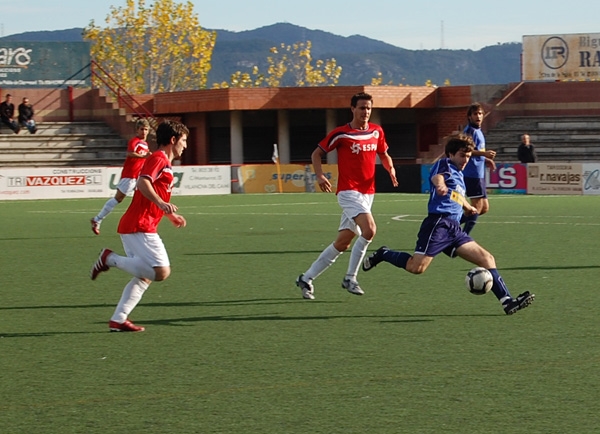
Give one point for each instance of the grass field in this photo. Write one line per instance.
(231, 347)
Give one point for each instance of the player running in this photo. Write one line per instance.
(358, 144)
(147, 258)
(474, 173)
(137, 151)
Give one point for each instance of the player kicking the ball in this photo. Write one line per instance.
(147, 258)
(441, 229)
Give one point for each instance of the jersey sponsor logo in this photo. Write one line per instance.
(365, 147)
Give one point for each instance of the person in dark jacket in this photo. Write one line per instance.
(526, 151)
(7, 114)
(26, 116)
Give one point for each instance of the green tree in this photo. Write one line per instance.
(159, 48)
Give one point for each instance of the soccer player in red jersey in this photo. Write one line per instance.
(358, 144)
(137, 151)
(147, 258)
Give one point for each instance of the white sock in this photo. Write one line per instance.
(134, 266)
(106, 209)
(323, 262)
(132, 294)
(357, 254)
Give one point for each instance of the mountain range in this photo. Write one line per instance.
(361, 58)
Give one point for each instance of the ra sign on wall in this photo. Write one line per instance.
(573, 57)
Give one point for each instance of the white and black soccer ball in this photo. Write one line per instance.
(479, 281)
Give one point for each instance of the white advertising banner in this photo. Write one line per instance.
(561, 57)
(91, 182)
(189, 180)
(201, 180)
(555, 178)
(52, 183)
(591, 178)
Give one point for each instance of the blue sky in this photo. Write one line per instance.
(408, 24)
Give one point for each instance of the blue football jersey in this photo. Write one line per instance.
(452, 202)
(476, 165)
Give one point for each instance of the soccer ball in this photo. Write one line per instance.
(479, 281)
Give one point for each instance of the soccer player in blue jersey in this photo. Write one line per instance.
(474, 172)
(441, 229)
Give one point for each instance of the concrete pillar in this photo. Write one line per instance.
(283, 136)
(330, 124)
(237, 140)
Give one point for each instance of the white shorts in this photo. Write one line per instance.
(127, 185)
(353, 203)
(148, 247)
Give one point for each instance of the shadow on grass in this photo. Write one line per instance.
(256, 301)
(44, 334)
(177, 322)
(554, 267)
(267, 252)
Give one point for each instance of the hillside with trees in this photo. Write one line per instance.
(362, 59)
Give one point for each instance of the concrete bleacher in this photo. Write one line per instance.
(568, 139)
(71, 144)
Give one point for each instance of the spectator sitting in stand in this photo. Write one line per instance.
(7, 114)
(26, 116)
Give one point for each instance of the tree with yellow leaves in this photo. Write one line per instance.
(159, 48)
(289, 65)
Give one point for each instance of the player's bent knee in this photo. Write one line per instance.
(416, 269)
(161, 273)
(369, 233)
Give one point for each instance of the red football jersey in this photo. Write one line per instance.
(143, 215)
(357, 151)
(133, 165)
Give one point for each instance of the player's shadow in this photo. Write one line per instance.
(554, 267)
(268, 252)
(254, 301)
(189, 321)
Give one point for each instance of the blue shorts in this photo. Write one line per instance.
(475, 187)
(439, 232)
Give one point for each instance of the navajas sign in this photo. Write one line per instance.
(44, 64)
(562, 57)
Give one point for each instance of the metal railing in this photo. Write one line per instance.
(123, 97)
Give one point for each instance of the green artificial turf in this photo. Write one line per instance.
(231, 347)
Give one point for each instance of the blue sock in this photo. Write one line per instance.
(399, 259)
(499, 288)
(470, 223)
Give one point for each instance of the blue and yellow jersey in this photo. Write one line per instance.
(451, 203)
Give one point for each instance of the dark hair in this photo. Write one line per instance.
(168, 129)
(475, 107)
(358, 97)
(458, 142)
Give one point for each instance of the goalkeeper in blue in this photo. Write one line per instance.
(441, 230)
